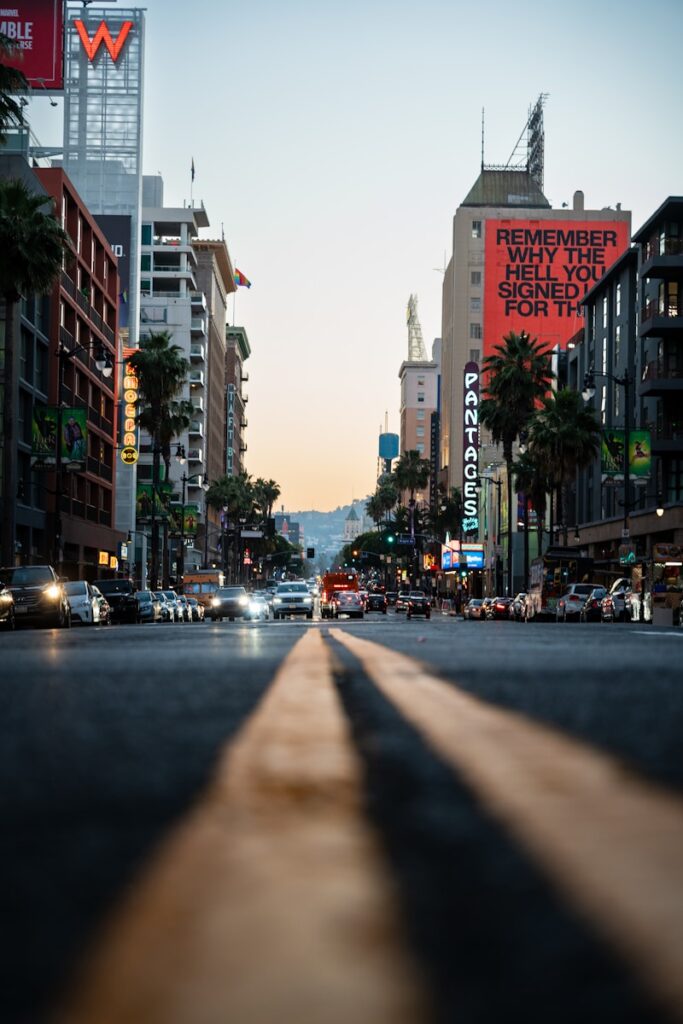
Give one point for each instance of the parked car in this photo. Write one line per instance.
(418, 604)
(38, 594)
(172, 600)
(7, 616)
(499, 608)
(376, 602)
(258, 609)
(85, 608)
(637, 609)
(196, 609)
(517, 606)
(292, 599)
(150, 606)
(229, 603)
(401, 602)
(348, 602)
(569, 605)
(120, 594)
(167, 612)
(474, 609)
(592, 606)
(485, 605)
(105, 610)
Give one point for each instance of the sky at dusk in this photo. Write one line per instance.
(334, 141)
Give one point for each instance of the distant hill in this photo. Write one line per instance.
(325, 530)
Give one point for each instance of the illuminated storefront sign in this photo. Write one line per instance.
(129, 435)
(537, 272)
(473, 555)
(103, 35)
(470, 433)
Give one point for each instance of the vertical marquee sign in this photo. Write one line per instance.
(470, 434)
(129, 434)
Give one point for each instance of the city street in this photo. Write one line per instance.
(381, 821)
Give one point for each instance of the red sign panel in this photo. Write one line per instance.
(537, 272)
(37, 29)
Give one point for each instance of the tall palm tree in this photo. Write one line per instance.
(12, 83)
(267, 492)
(518, 376)
(411, 474)
(375, 509)
(33, 247)
(566, 436)
(162, 370)
(236, 496)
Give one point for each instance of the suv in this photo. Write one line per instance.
(120, 594)
(38, 593)
(292, 599)
(229, 603)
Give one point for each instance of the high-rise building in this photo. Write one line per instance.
(238, 351)
(419, 377)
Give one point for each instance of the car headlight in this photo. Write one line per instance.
(243, 601)
(277, 600)
(53, 592)
(308, 600)
(215, 601)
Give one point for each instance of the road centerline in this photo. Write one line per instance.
(270, 901)
(609, 841)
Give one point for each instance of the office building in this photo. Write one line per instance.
(238, 351)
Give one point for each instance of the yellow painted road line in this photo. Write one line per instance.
(270, 903)
(611, 842)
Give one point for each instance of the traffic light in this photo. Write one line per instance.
(390, 538)
(310, 552)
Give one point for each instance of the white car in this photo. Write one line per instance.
(84, 603)
(292, 599)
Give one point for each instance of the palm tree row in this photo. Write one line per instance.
(242, 500)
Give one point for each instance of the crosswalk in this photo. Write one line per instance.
(273, 900)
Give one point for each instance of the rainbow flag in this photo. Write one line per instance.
(240, 280)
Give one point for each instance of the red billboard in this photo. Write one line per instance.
(36, 27)
(537, 272)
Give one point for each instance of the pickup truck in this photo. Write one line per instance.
(120, 595)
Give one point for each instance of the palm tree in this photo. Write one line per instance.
(32, 250)
(411, 474)
(566, 436)
(236, 497)
(267, 492)
(533, 480)
(162, 370)
(519, 375)
(12, 82)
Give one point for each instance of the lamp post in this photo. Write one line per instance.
(184, 480)
(499, 519)
(587, 394)
(104, 364)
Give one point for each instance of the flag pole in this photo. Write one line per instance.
(192, 184)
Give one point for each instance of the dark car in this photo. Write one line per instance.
(401, 602)
(228, 603)
(592, 608)
(391, 598)
(7, 616)
(418, 604)
(38, 593)
(120, 595)
(376, 602)
(499, 608)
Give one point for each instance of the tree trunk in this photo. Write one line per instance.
(525, 585)
(156, 465)
(508, 462)
(9, 443)
(166, 566)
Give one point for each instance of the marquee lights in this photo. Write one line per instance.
(470, 435)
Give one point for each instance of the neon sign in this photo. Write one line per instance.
(103, 35)
(470, 433)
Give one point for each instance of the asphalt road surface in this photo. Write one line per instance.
(380, 821)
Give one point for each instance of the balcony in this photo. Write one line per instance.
(667, 437)
(660, 319)
(197, 379)
(245, 398)
(663, 257)
(198, 403)
(661, 377)
(198, 325)
(195, 455)
(198, 301)
(198, 352)
(243, 447)
(196, 429)
(244, 377)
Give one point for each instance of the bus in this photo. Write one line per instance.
(202, 584)
(550, 576)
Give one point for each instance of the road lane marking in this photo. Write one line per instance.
(611, 842)
(270, 903)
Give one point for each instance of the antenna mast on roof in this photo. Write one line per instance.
(482, 138)
(529, 151)
(416, 346)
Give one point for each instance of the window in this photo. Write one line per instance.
(420, 414)
(146, 234)
(41, 368)
(475, 332)
(419, 432)
(146, 262)
(475, 304)
(617, 344)
(474, 355)
(475, 278)
(419, 447)
(476, 229)
(26, 357)
(604, 313)
(618, 300)
(617, 393)
(420, 382)
(420, 396)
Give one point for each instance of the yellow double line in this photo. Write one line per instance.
(271, 902)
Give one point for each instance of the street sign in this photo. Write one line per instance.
(251, 533)
(625, 533)
(129, 455)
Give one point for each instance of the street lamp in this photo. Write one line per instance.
(184, 481)
(499, 520)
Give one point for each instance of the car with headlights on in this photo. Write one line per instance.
(105, 610)
(85, 608)
(167, 612)
(120, 594)
(418, 604)
(185, 613)
(38, 593)
(258, 609)
(196, 609)
(292, 599)
(172, 601)
(150, 606)
(228, 603)
(7, 616)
